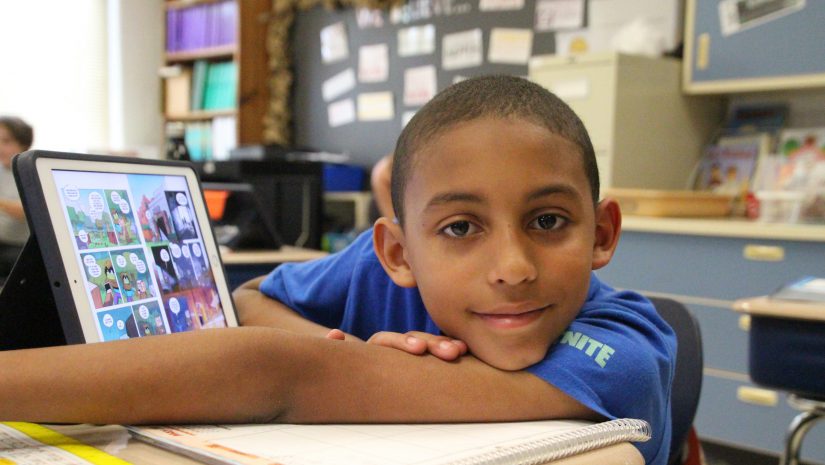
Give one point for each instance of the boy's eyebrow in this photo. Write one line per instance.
(541, 192)
(448, 197)
(552, 189)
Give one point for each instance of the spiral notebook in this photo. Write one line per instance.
(392, 444)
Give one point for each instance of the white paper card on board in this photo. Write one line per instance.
(334, 43)
(341, 112)
(375, 106)
(499, 5)
(554, 15)
(368, 18)
(462, 50)
(510, 46)
(419, 85)
(373, 63)
(416, 40)
(338, 85)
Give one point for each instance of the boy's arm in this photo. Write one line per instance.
(256, 309)
(263, 374)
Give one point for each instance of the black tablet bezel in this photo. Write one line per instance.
(29, 169)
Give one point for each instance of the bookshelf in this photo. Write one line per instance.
(215, 74)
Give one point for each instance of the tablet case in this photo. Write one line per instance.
(36, 304)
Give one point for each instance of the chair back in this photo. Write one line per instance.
(687, 381)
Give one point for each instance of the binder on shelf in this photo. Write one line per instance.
(178, 91)
(199, 70)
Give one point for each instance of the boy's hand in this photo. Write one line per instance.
(339, 335)
(419, 343)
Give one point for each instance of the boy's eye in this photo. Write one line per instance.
(548, 222)
(459, 229)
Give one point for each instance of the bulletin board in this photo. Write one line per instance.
(562, 26)
(367, 141)
(769, 45)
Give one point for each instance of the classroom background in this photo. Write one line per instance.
(707, 117)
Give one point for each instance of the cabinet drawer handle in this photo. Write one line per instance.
(745, 322)
(703, 51)
(764, 253)
(757, 396)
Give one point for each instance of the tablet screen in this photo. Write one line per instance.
(139, 247)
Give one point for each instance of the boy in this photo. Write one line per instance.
(495, 189)
(489, 266)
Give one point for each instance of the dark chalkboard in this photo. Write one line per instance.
(366, 142)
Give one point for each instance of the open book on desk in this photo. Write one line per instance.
(392, 444)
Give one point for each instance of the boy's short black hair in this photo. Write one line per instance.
(19, 130)
(496, 96)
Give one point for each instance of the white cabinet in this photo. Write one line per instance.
(645, 132)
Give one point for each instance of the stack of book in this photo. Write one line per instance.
(206, 86)
(201, 26)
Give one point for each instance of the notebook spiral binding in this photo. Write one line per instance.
(564, 445)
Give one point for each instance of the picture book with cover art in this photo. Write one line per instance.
(727, 169)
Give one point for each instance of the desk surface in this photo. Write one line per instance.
(284, 254)
(116, 441)
(766, 306)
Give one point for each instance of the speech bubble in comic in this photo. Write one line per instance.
(83, 236)
(185, 250)
(121, 261)
(175, 249)
(164, 255)
(108, 321)
(181, 199)
(120, 325)
(71, 192)
(174, 305)
(124, 207)
(94, 270)
(141, 266)
(115, 196)
(89, 260)
(96, 202)
(143, 310)
(134, 258)
(196, 249)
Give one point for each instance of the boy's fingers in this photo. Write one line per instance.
(442, 347)
(405, 342)
(336, 334)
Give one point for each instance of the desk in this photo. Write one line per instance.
(786, 346)
(241, 266)
(116, 441)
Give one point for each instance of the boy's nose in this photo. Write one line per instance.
(511, 260)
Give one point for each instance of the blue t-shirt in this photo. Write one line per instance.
(617, 357)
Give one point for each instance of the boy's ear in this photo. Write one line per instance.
(608, 230)
(389, 244)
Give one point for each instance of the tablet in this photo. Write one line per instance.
(128, 242)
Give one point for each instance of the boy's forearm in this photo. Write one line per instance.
(262, 375)
(227, 375)
(256, 309)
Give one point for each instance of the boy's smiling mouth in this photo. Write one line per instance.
(510, 317)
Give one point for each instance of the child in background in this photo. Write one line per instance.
(16, 136)
(477, 304)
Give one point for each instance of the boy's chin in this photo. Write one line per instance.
(507, 360)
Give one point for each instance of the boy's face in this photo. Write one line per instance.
(501, 235)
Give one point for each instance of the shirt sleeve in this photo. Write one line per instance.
(617, 358)
(318, 289)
